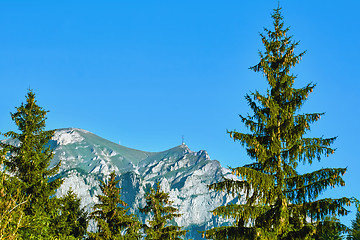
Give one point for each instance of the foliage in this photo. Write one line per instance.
(333, 232)
(11, 206)
(354, 233)
(280, 202)
(111, 214)
(28, 161)
(134, 230)
(158, 228)
(71, 220)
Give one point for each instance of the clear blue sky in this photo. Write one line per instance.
(144, 73)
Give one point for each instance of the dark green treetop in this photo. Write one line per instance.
(111, 214)
(29, 160)
(280, 203)
(71, 220)
(333, 233)
(157, 204)
(354, 233)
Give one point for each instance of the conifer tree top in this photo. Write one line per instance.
(280, 203)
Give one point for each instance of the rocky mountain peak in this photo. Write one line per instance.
(185, 174)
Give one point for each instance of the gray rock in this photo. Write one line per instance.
(184, 174)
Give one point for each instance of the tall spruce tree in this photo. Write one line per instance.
(354, 233)
(280, 202)
(111, 215)
(28, 161)
(157, 204)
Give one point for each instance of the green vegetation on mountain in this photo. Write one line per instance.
(280, 202)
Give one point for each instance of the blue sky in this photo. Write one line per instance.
(144, 73)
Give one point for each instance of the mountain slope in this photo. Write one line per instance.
(185, 174)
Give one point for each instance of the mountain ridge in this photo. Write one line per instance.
(87, 158)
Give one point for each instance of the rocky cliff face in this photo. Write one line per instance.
(86, 158)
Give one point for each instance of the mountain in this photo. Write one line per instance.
(184, 174)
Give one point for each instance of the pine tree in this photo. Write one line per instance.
(157, 204)
(71, 219)
(280, 202)
(134, 230)
(111, 214)
(28, 161)
(334, 233)
(354, 233)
